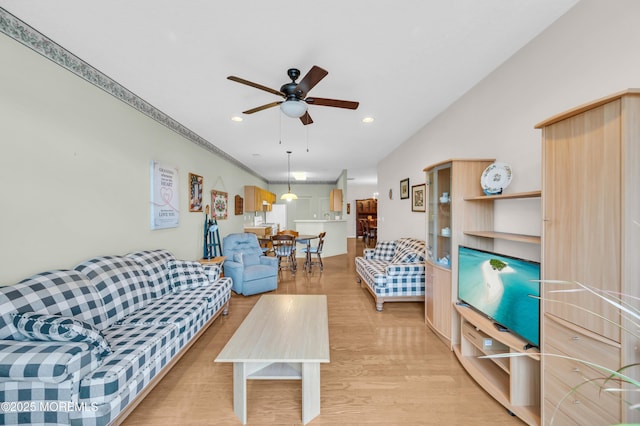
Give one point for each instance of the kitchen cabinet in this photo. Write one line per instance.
(335, 200)
(257, 199)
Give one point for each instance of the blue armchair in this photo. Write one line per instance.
(250, 270)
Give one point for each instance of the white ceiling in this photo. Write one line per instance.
(404, 61)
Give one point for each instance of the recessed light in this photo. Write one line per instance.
(368, 120)
(237, 118)
(299, 175)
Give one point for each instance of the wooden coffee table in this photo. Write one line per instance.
(284, 337)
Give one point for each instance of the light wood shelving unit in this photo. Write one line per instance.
(458, 178)
(521, 238)
(513, 379)
(591, 235)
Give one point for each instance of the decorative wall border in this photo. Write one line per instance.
(28, 36)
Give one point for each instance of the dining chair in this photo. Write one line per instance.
(363, 230)
(317, 250)
(288, 232)
(284, 247)
(366, 230)
(265, 244)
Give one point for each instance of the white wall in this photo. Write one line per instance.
(74, 172)
(588, 53)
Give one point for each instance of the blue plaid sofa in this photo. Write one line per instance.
(393, 271)
(84, 346)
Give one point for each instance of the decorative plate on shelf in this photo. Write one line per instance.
(495, 178)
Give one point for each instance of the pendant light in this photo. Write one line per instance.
(289, 195)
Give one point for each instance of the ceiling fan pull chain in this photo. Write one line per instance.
(307, 139)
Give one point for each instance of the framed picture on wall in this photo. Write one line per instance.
(418, 198)
(195, 192)
(220, 203)
(404, 189)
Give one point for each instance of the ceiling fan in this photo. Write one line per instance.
(294, 94)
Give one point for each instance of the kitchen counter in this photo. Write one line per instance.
(335, 242)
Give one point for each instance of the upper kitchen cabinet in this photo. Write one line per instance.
(257, 199)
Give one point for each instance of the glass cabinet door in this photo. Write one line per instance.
(439, 215)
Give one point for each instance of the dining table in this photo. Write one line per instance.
(306, 239)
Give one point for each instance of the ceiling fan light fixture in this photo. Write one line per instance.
(293, 108)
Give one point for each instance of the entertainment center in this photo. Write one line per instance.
(590, 215)
(514, 378)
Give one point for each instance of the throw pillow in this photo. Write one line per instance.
(46, 327)
(384, 250)
(404, 256)
(213, 272)
(185, 275)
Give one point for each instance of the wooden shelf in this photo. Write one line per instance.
(521, 238)
(515, 195)
(513, 380)
(531, 239)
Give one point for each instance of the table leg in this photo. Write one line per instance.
(240, 391)
(310, 391)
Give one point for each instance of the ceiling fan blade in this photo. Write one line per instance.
(256, 85)
(332, 103)
(312, 78)
(260, 108)
(306, 118)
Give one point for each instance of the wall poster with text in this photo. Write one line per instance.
(165, 206)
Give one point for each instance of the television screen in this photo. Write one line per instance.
(500, 286)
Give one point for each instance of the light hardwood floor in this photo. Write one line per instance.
(387, 368)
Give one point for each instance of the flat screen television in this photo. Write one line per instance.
(499, 287)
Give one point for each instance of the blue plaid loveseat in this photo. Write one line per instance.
(393, 271)
(83, 346)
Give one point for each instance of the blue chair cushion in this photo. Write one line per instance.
(247, 259)
(255, 272)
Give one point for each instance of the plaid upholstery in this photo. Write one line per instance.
(372, 271)
(404, 256)
(153, 263)
(179, 310)
(121, 283)
(213, 271)
(384, 250)
(38, 393)
(388, 279)
(367, 253)
(216, 295)
(133, 347)
(145, 337)
(184, 275)
(60, 292)
(412, 285)
(45, 327)
(412, 245)
(47, 362)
